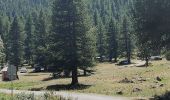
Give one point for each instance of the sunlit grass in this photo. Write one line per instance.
(105, 80)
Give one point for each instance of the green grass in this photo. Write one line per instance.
(17, 85)
(22, 96)
(104, 81)
(4, 96)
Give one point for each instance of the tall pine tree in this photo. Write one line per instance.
(28, 46)
(101, 41)
(15, 44)
(40, 40)
(71, 44)
(127, 40)
(112, 40)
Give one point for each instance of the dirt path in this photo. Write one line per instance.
(76, 96)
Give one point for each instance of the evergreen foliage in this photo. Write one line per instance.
(71, 41)
(40, 40)
(15, 44)
(74, 32)
(112, 40)
(28, 45)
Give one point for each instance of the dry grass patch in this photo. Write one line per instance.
(106, 80)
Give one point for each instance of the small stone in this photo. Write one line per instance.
(158, 78)
(119, 92)
(141, 79)
(153, 87)
(156, 82)
(161, 85)
(137, 90)
(126, 80)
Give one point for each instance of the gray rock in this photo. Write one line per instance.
(158, 78)
(120, 92)
(126, 80)
(137, 90)
(153, 86)
(141, 79)
(156, 82)
(161, 85)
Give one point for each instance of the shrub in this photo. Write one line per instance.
(24, 96)
(167, 55)
(165, 96)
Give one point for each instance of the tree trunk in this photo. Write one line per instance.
(101, 58)
(147, 61)
(115, 59)
(45, 68)
(85, 73)
(110, 57)
(74, 76)
(129, 58)
(32, 65)
(17, 73)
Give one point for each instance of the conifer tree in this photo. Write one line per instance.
(2, 53)
(101, 41)
(127, 40)
(144, 27)
(1, 26)
(71, 42)
(40, 40)
(28, 46)
(15, 44)
(96, 18)
(112, 40)
(5, 25)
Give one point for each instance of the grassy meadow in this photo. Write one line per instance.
(108, 79)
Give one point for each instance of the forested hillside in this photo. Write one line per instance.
(105, 8)
(73, 33)
(23, 7)
(100, 11)
(30, 32)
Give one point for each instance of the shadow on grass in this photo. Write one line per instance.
(48, 79)
(39, 72)
(67, 87)
(60, 87)
(165, 96)
(63, 77)
(31, 75)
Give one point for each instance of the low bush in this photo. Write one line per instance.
(167, 55)
(23, 96)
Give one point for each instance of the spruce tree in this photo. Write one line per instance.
(5, 25)
(127, 40)
(96, 18)
(2, 53)
(145, 27)
(40, 40)
(14, 44)
(1, 26)
(28, 46)
(71, 42)
(101, 41)
(112, 40)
